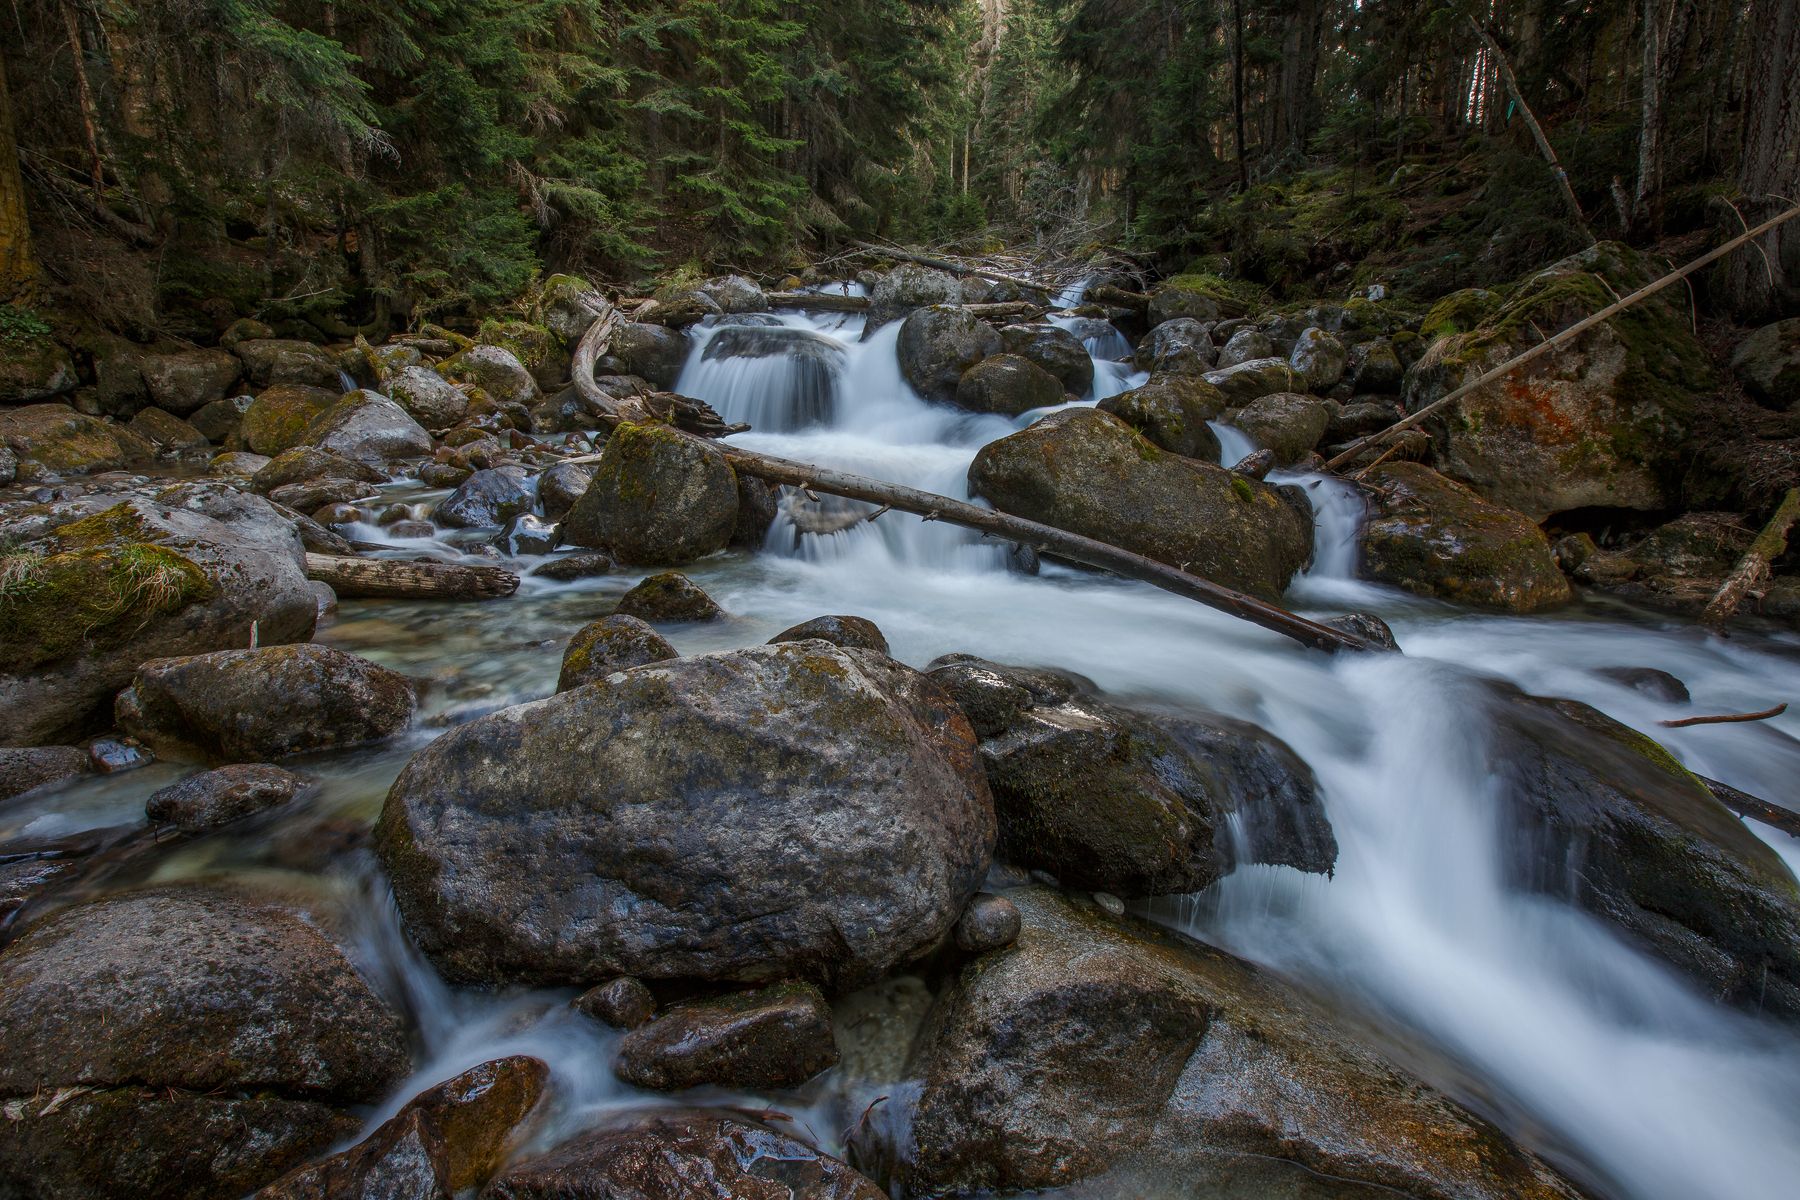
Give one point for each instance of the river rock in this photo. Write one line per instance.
(34, 370)
(908, 287)
(989, 923)
(428, 397)
(249, 705)
(524, 848)
(370, 428)
(278, 418)
(23, 768)
(657, 499)
(1433, 536)
(186, 572)
(1009, 385)
(940, 343)
(1178, 298)
(1244, 345)
(1054, 349)
(651, 351)
(774, 1037)
(567, 305)
(1172, 413)
(1090, 473)
(166, 432)
(1287, 423)
(735, 294)
(314, 494)
(1318, 358)
(1250, 380)
(1182, 346)
(1768, 363)
(54, 439)
(1106, 1049)
(852, 633)
(213, 798)
(1676, 566)
(185, 382)
(1133, 803)
(491, 497)
(497, 371)
(561, 486)
(683, 1154)
(270, 361)
(615, 643)
(1375, 366)
(220, 1038)
(404, 1159)
(1359, 418)
(1601, 815)
(220, 421)
(305, 464)
(623, 1003)
(1598, 422)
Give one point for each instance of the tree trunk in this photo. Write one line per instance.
(18, 267)
(1237, 92)
(1761, 286)
(399, 579)
(1295, 109)
(1646, 203)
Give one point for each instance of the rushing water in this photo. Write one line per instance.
(1583, 1047)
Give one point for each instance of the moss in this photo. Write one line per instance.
(530, 344)
(1240, 487)
(1459, 312)
(1234, 297)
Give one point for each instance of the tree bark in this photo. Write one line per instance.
(399, 579)
(18, 266)
(1758, 287)
(1237, 92)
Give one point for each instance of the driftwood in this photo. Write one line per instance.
(1548, 344)
(401, 579)
(819, 301)
(956, 268)
(1537, 131)
(1005, 309)
(1746, 805)
(1751, 575)
(933, 507)
(1725, 718)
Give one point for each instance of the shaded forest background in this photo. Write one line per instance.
(354, 165)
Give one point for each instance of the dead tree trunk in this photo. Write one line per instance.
(955, 268)
(400, 579)
(1537, 131)
(1751, 575)
(1760, 287)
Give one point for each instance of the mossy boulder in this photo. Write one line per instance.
(1459, 312)
(656, 499)
(214, 1042)
(538, 845)
(1289, 424)
(652, 352)
(54, 439)
(1678, 566)
(1090, 473)
(1433, 536)
(615, 643)
(852, 633)
(270, 361)
(369, 428)
(304, 464)
(34, 368)
(670, 597)
(1768, 363)
(278, 418)
(102, 589)
(534, 346)
(1598, 422)
(1319, 359)
(1374, 366)
(220, 421)
(1133, 803)
(1181, 346)
(909, 287)
(567, 305)
(1243, 345)
(1007, 384)
(1111, 1051)
(1202, 297)
(167, 432)
(939, 344)
(497, 369)
(1172, 412)
(187, 381)
(428, 397)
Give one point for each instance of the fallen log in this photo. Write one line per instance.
(819, 301)
(956, 268)
(352, 577)
(1751, 575)
(1548, 344)
(933, 507)
(1007, 308)
(1117, 297)
(1746, 805)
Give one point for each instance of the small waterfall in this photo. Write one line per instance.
(774, 378)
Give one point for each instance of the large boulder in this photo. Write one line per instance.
(1184, 296)
(1182, 346)
(1009, 385)
(1597, 422)
(1054, 349)
(773, 1037)
(1254, 378)
(668, 597)
(908, 287)
(1128, 802)
(34, 369)
(187, 381)
(369, 428)
(735, 294)
(491, 497)
(305, 464)
(1433, 536)
(652, 351)
(168, 433)
(1768, 363)
(212, 1043)
(1288, 424)
(567, 305)
(1602, 815)
(657, 499)
(938, 344)
(1090, 473)
(428, 397)
(23, 768)
(1243, 345)
(54, 439)
(561, 486)
(276, 360)
(1678, 566)
(683, 1154)
(496, 371)
(1318, 358)
(251, 705)
(277, 419)
(98, 590)
(1117, 1053)
(1173, 412)
(536, 845)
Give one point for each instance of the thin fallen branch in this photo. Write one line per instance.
(1725, 719)
(1544, 347)
(1746, 805)
(1537, 131)
(955, 268)
(399, 579)
(1751, 575)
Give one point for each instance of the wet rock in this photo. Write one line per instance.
(304, 464)
(1768, 363)
(735, 294)
(582, 564)
(1056, 351)
(239, 465)
(189, 571)
(23, 768)
(370, 428)
(185, 382)
(1171, 414)
(112, 756)
(167, 433)
(810, 368)
(443, 474)
(1009, 385)
(561, 486)
(940, 343)
(428, 397)
(1090, 473)
(1367, 626)
(486, 498)
(413, 529)
(250, 705)
(758, 507)
(1677, 566)
(54, 439)
(1598, 422)
(497, 371)
(683, 1154)
(1318, 358)
(220, 1037)
(213, 798)
(278, 418)
(524, 849)
(1603, 816)
(36, 369)
(1139, 804)
(1108, 1050)
(651, 351)
(1177, 298)
(314, 494)
(615, 643)
(909, 287)
(1375, 366)
(852, 633)
(567, 305)
(623, 1003)
(989, 923)
(657, 499)
(1244, 345)
(1434, 536)
(404, 1159)
(1251, 380)
(526, 535)
(1255, 465)
(669, 597)
(1286, 423)
(270, 361)
(1179, 347)
(1658, 685)
(775, 1037)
